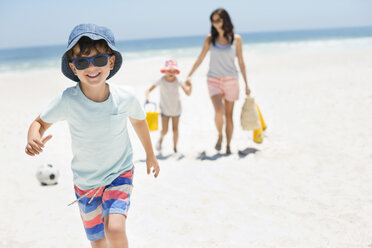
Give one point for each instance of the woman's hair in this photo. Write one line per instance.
(227, 26)
(86, 45)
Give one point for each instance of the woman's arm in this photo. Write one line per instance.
(201, 57)
(239, 54)
(187, 87)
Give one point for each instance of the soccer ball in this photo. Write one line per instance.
(47, 174)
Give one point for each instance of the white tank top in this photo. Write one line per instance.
(222, 60)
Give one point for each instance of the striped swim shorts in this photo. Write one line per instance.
(97, 203)
(228, 87)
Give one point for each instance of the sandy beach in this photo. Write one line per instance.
(308, 185)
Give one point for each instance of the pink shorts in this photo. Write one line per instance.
(228, 87)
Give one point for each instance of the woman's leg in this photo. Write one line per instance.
(218, 118)
(229, 108)
(175, 121)
(164, 130)
(115, 230)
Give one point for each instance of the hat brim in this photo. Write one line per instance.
(163, 70)
(66, 70)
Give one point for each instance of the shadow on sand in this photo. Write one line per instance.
(247, 151)
(160, 156)
(204, 156)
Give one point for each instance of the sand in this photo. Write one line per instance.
(308, 185)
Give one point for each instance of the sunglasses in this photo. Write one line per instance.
(217, 21)
(98, 61)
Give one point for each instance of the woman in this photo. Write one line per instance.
(223, 84)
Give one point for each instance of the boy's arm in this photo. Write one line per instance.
(142, 130)
(148, 92)
(35, 142)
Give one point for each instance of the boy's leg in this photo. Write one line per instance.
(91, 216)
(164, 130)
(175, 121)
(115, 230)
(116, 202)
(102, 243)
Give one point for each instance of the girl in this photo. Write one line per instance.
(170, 104)
(222, 77)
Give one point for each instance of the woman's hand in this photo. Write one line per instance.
(247, 90)
(188, 83)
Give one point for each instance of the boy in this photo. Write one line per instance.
(97, 113)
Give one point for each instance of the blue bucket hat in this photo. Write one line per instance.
(93, 32)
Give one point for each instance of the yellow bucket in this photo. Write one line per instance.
(152, 118)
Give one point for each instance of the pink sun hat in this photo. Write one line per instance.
(170, 64)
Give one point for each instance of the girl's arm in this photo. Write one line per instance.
(148, 92)
(201, 57)
(35, 142)
(142, 130)
(239, 54)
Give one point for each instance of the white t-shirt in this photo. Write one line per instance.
(170, 104)
(100, 143)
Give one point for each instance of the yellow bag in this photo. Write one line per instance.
(258, 133)
(152, 118)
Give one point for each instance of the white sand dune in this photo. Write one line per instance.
(309, 184)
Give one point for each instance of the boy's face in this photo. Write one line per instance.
(93, 75)
(170, 75)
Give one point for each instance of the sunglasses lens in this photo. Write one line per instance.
(100, 60)
(81, 64)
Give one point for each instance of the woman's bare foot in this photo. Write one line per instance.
(175, 149)
(218, 144)
(228, 151)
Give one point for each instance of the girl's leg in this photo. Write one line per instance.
(115, 230)
(218, 118)
(164, 130)
(101, 243)
(175, 121)
(229, 108)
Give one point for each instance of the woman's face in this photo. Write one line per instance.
(217, 22)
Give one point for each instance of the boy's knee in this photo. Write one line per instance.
(115, 228)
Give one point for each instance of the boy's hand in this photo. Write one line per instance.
(36, 145)
(152, 162)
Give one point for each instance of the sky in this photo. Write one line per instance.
(25, 23)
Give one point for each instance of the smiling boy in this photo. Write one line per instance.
(97, 114)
